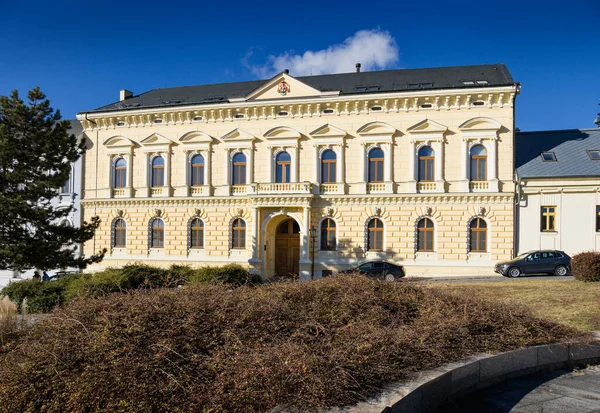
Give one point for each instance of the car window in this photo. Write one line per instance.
(365, 267)
(547, 255)
(558, 254)
(535, 256)
(377, 265)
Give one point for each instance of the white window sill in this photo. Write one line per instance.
(119, 251)
(426, 256)
(375, 255)
(196, 252)
(479, 256)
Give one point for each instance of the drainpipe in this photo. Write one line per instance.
(96, 185)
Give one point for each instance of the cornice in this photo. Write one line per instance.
(413, 101)
(305, 200)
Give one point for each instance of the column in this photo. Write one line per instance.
(439, 166)
(255, 244)
(412, 178)
(493, 165)
(295, 170)
(129, 160)
(464, 172)
(207, 169)
(305, 261)
(317, 171)
(250, 165)
(167, 172)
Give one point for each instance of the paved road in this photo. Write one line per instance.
(489, 278)
(556, 392)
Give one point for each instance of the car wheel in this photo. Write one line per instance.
(514, 272)
(561, 270)
(390, 277)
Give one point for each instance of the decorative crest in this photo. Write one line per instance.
(482, 211)
(158, 212)
(240, 211)
(198, 212)
(377, 211)
(329, 212)
(428, 211)
(283, 88)
(119, 212)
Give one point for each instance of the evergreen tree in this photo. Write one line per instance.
(36, 153)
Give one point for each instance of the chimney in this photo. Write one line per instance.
(358, 68)
(125, 94)
(286, 71)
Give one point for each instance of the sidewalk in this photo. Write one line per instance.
(560, 391)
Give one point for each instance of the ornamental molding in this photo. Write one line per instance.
(317, 106)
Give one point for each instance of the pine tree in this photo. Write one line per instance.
(36, 153)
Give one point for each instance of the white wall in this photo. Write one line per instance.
(575, 203)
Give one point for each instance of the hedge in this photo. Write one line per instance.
(586, 266)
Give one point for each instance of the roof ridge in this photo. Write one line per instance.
(557, 131)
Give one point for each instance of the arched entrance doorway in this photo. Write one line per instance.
(287, 248)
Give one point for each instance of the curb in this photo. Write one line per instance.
(430, 389)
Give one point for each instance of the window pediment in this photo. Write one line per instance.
(119, 145)
(156, 143)
(480, 128)
(428, 130)
(196, 140)
(328, 135)
(376, 132)
(238, 138)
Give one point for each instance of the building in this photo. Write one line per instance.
(558, 177)
(68, 195)
(414, 166)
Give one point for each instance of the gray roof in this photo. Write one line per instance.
(347, 83)
(76, 128)
(569, 147)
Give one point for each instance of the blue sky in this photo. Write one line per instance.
(82, 53)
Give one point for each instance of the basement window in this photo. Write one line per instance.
(328, 111)
(426, 106)
(282, 113)
(375, 108)
(120, 123)
(239, 116)
(594, 155)
(157, 120)
(197, 118)
(478, 103)
(548, 157)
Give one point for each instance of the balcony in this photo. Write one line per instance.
(479, 186)
(427, 187)
(284, 188)
(379, 187)
(158, 191)
(239, 189)
(124, 192)
(200, 190)
(331, 188)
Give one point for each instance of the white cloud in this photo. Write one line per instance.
(374, 49)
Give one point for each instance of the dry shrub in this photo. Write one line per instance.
(586, 266)
(8, 317)
(211, 348)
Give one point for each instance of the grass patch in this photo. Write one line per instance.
(567, 302)
(213, 348)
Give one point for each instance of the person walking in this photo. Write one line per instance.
(46, 277)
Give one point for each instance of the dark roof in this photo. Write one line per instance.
(569, 147)
(347, 83)
(76, 128)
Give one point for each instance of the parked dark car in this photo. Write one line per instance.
(536, 262)
(379, 269)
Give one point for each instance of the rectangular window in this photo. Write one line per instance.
(548, 219)
(67, 186)
(158, 176)
(597, 218)
(197, 175)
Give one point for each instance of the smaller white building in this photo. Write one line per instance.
(558, 189)
(68, 195)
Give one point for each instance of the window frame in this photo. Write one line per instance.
(118, 233)
(237, 168)
(328, 235)
(157, 177)
(428, 233)
(286, 168)
(237, 230)
(378, 235)
(474, 172)
(378, 166)
(548, 218)
(329, 165)
(480, 232)
(597, 218)
(193, 231)
(157, 234)
(119, 173)
(428, 162)
(197, 175)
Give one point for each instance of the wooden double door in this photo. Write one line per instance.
(287, 248)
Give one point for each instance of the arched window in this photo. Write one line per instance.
(120, 173)
(328, 239)
(375, 229)
(238, 173)
(238, 229)
(196, 233)
(328, 167)
(425, 235)
(158, 172)
(478, 163)
(426, 164)
(376, 159)
(119, 233)
(157, 238)
(478, 235)
(283, 165)
(197, 170)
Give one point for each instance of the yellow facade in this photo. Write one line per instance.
(304, 124)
